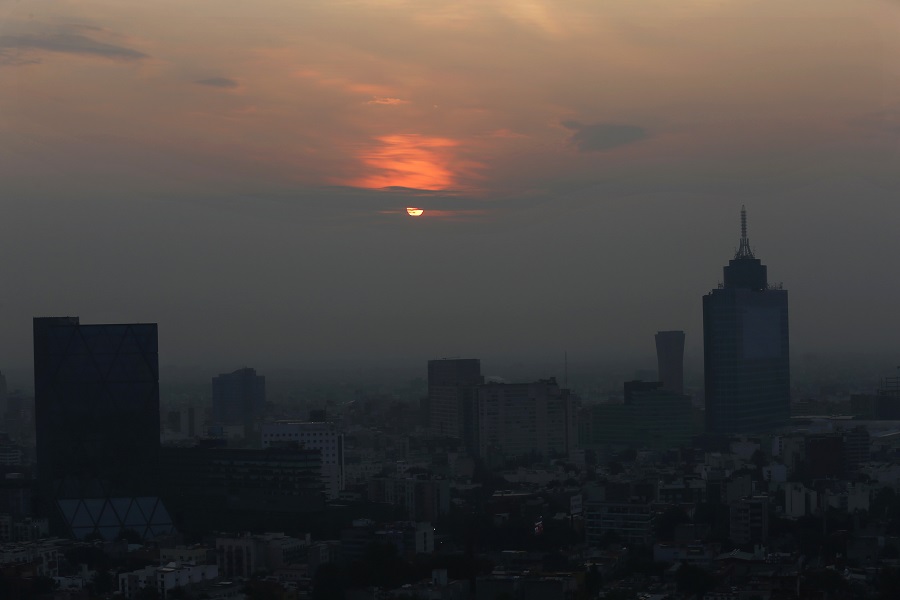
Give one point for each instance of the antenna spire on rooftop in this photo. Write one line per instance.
(744, 250)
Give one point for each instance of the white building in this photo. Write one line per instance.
(197, 554)
(163, 579)
(43, 555)
(799, 501)
(321, 436)
(245, 555)
(23, 529)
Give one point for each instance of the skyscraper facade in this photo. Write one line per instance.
(452, 387)
(525, 419)
(239, 398)
(312, 435)
(670, 359)
(745, 348)
(97, 427)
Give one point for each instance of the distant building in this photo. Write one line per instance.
(197, 554)
(825, 456)
(3, 395)
(423, 499)
(525, 419)
(857, 448)
(216, 488)
(408, 537)
(22, 529)
(42, 556)
(164, 579)
(97, 426)
(649, 417)
(749, 521)
(745, 348)
(452, 387)
(884, 404)
(246, 555)
(670, 359)
(629, 522)
(322, 436)
(239, 398)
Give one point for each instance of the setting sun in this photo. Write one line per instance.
(415, 212)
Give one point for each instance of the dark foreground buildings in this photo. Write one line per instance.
(207, 487)
(96, 391)
(745, 348)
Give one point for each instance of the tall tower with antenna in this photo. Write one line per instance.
(746, 347)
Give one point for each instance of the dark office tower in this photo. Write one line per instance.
(452, 386)
(239, 398)
(670, 358)
(96, 394)
(745, 348)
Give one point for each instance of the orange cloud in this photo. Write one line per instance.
(409, 161)
(346, 85)
(387, 100)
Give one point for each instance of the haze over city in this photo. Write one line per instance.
(240, 173)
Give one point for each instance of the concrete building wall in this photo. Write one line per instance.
(322, 436)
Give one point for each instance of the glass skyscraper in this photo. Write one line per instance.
(745, 348)
(96, 391)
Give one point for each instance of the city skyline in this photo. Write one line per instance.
(244, 181)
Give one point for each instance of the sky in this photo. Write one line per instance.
(240, 172)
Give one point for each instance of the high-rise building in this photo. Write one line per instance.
(525, 419)
(670, 359)
(2, 396)
(239, 398)
(322, 436)
(216, 488)
(749, 521)
(452, 385)
(96, 393)
(745, 348)
(650, 417)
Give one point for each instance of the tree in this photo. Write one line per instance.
(147, 593)
(102, 582)
(593, 581)
(666, 522)
(694, 580)
(759, 459)
(328, 583)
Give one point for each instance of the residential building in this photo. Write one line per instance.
(670, 360)
(23, 529)
(165, 579)
(245, 555)
(423, 499)
(42, 556)
(749, 521)
(452, 387)
(649, 417)
(408, 537)
(630, 522)
(239, 398)
(211, 488)
(525, 419)
(197, 554)
(745, 348)
(322, 436)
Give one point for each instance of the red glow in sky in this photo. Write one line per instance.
(410, 161)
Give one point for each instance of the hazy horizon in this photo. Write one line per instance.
(239, 174)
